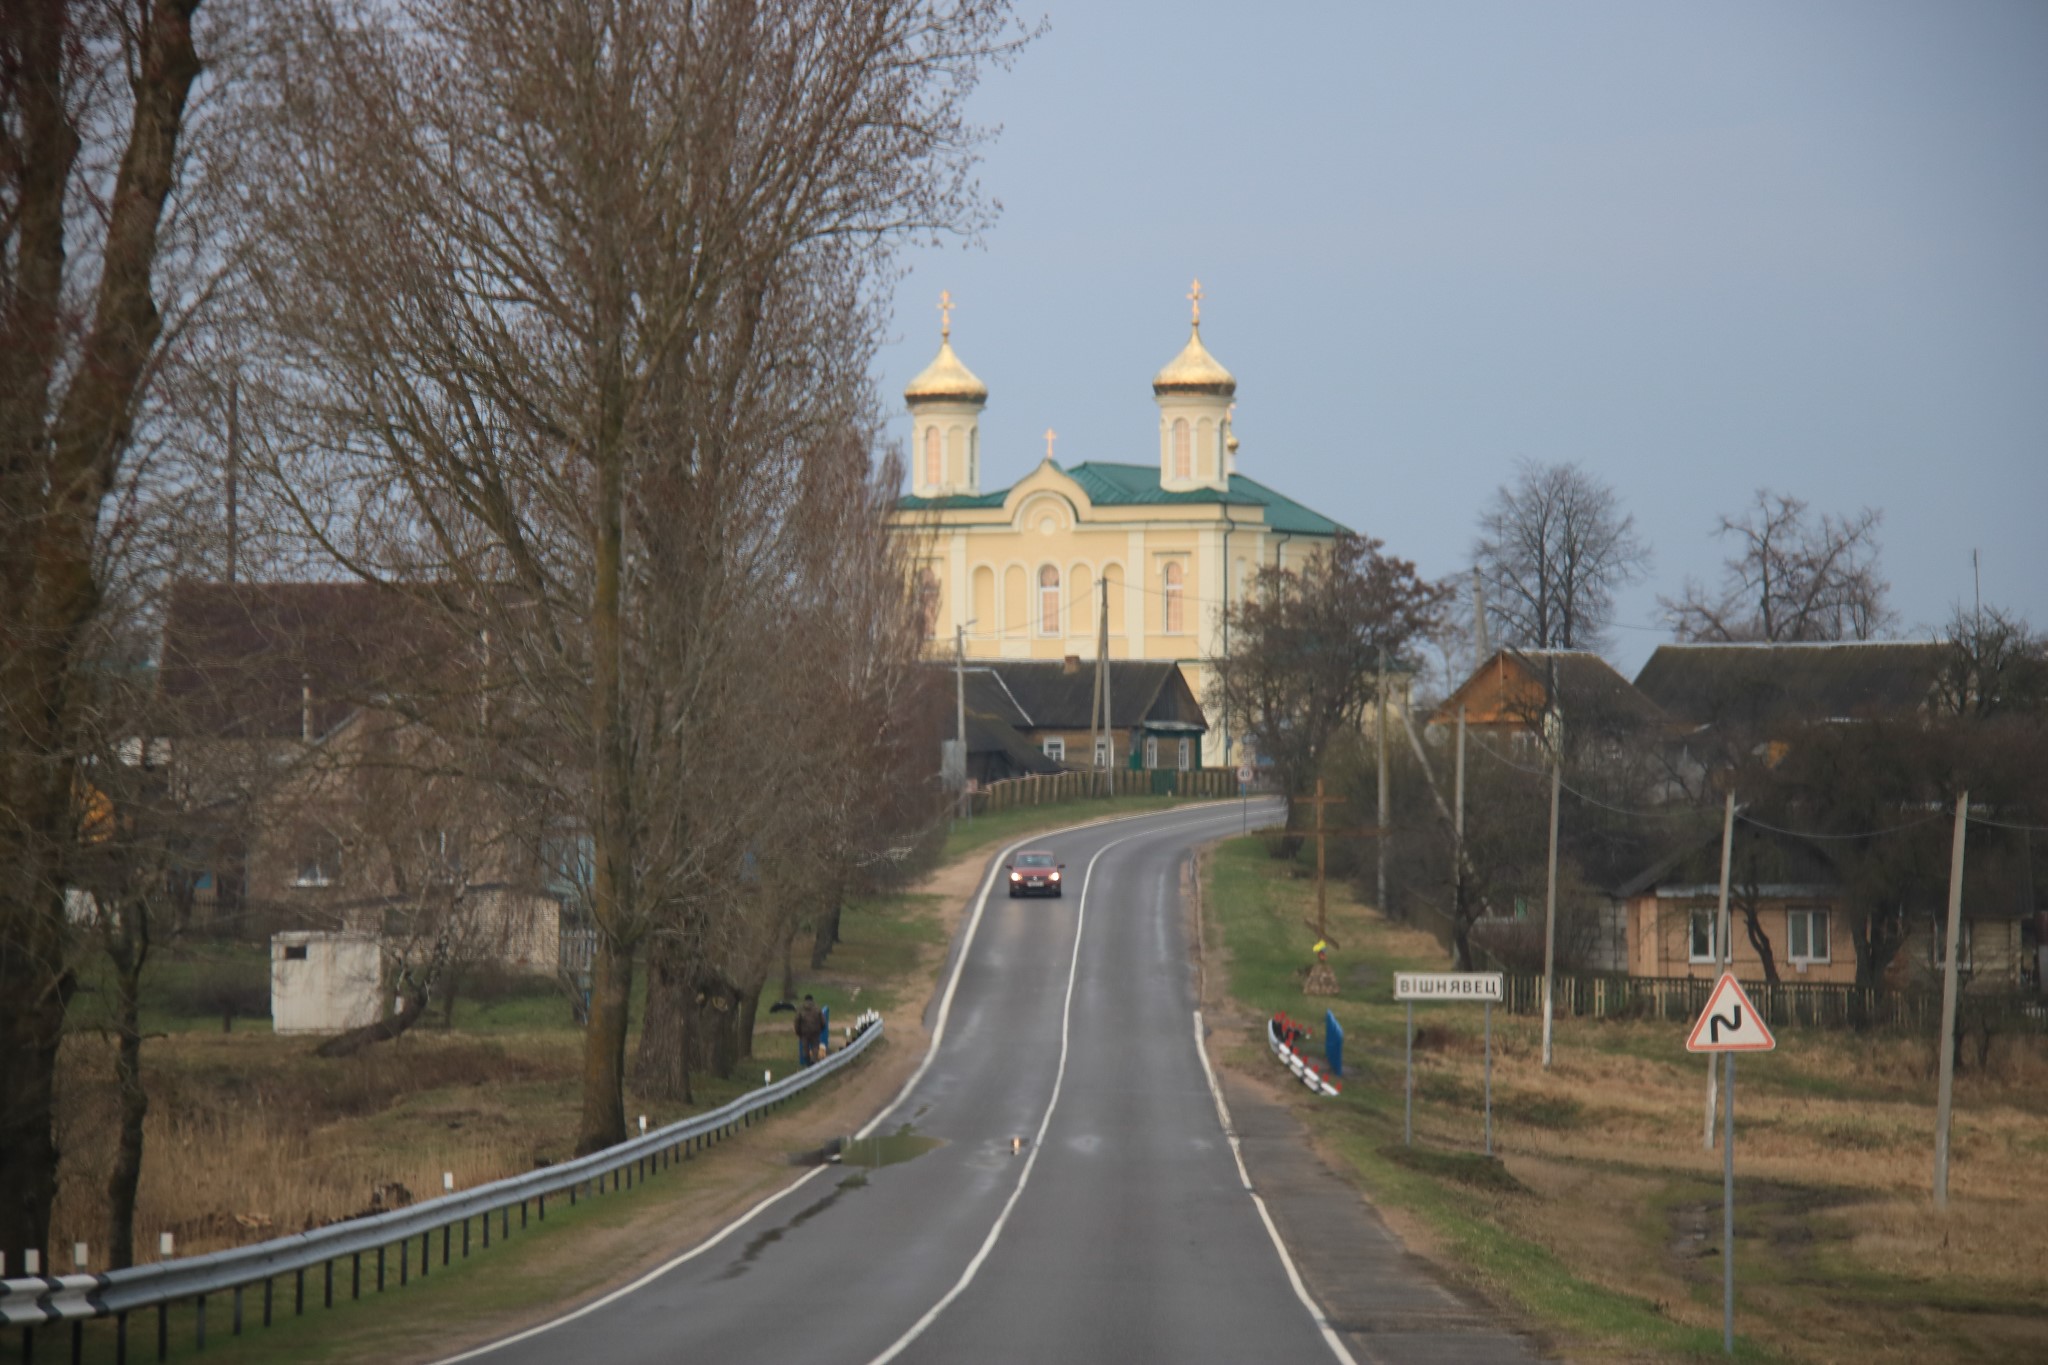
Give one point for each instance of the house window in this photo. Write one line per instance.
(1049, 601)
(1183, 452)
(318, 861)
(1056, 749)
(1937, 945)
(1151, 751)
(1702, 942)
(1186, 752)
(933, 457)
(1806, 936)
(1102, 756)
(295, 952)
(1174, 580)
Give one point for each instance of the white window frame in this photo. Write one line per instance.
(1056, 749)
(1810, 913)
(1056, 588)
(1186, 752)
(1713, 920)
(1151, 751)
(318, 863)
(1173, 598)
(1105, 752)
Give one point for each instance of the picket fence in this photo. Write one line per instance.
(1043, 789)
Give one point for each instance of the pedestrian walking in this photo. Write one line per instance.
(810, 1027)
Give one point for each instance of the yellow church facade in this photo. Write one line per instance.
(1021, 572)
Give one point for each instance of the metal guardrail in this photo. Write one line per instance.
(40, 1300)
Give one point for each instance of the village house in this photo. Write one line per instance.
(1155, 721)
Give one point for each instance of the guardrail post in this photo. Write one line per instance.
(163, 1330)
(465, 1233)
(380, 1270)
(235, 1314)
(299, 1293)
(448, 1231)
(78, 1341)
(404, 1261)
(199, 1326)
(542, 1201)
(28, 1345)
(120, 1339)
(266, 1300)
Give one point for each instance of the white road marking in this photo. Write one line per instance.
(931, 1051)
(1330, 1337)
(988, 1244)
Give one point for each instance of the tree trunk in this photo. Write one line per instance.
(383, 1031)
(37, 986)
(711, 1036)
(1759, 940)
(125, 1178)
(603, 1122)
(662, 1067)
(825, 934)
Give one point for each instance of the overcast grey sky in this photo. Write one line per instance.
(1701, 248)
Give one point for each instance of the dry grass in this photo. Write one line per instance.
(237, 1120)
(1840, 1253)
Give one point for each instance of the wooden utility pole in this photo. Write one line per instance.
(1319, 801)
(234, 475)
(1949, 985)
(960, 713)
(1380, 751)
(1550, 911)
(1105, 740)
(1726, 941)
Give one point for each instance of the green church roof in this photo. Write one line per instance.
(1129, 485)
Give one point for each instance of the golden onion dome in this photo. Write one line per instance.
(946, 379)
(1194, 370)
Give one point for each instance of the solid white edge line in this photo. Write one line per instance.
(931, 1051)
(1315, 1310)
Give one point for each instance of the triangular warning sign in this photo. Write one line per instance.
(1729, 1023)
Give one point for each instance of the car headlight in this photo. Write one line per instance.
(1055, 876)
(1016, 876)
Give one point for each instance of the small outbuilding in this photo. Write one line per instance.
(325, 982)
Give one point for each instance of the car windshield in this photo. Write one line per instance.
(1034, 860)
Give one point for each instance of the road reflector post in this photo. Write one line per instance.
(1729, 1024)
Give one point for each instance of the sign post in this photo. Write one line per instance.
(1244, 800)
(1728, 1025)
(1485, 987)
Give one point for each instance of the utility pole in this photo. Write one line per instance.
(1946, 1093)
(1105, 741)
(960, 713)
(1550, 912)
(1380, 749)
(234, 473)
(1479, 618)
(1726, 942)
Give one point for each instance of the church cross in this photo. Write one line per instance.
(1050, 437)
(1319, 801)
(946, 306)
(1194, 296)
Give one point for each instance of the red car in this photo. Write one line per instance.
(1035, 873)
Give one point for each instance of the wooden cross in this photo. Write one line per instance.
(946, 306)
(1050, 437)
(1194, 296)
(1319, 800)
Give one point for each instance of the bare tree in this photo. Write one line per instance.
(1792, 579)
(1305, 649)
(1553, 549)
(93, 105)
(547, 288)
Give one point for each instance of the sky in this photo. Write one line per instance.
(1701, 249)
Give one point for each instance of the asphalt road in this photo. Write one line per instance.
(1122, 1232)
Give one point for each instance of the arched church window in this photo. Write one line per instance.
(1174, 580)
(1183, 452)
(928, 600)
(1049, 600)
(933, 457)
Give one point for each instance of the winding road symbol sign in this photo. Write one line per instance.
(1729, 1023)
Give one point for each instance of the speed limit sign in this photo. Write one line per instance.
(1244, 773)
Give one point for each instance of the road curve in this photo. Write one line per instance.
(1122, 1232)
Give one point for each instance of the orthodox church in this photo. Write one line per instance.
(1021, 572)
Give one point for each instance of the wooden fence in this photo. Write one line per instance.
(1788, 1003)
(1047, 788)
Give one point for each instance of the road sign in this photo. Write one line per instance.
(1447, 986)
(1244, 773)
(1729, 1023)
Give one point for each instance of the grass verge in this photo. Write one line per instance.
(1602, 1224)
